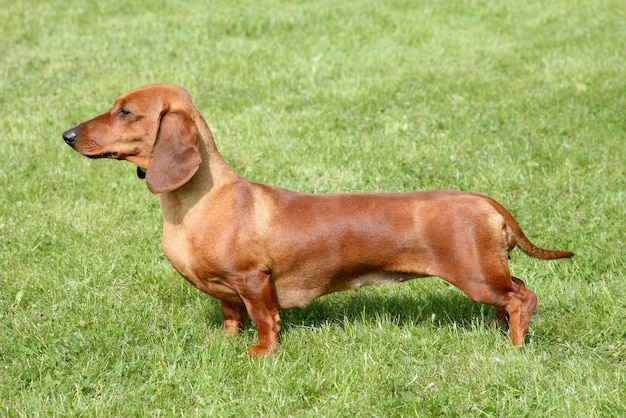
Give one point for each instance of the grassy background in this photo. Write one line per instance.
(522, 100)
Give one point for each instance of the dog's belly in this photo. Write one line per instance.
(296, 293)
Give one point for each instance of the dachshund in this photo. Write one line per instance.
(259, 248)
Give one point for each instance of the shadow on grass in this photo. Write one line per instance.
(408, 304)
(441, 308)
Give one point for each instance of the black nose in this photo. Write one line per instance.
(70, 136)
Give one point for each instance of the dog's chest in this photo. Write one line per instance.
(185, 237)
(176, 250)
(195, 266)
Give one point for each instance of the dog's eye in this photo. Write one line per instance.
(123, 112)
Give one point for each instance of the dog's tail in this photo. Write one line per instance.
(517, 237)
(532, 250)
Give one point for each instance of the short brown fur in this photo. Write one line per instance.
(259, 248)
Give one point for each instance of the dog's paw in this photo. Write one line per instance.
(261, 350)
(231, 328)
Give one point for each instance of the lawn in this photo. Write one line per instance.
(524, 101)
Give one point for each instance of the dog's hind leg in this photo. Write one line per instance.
(488, 280)
(501, 314)
(518, 310)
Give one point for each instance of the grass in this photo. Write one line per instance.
(521, 100)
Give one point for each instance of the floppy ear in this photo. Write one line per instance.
(175, 156)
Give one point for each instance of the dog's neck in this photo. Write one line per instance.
(213, 174)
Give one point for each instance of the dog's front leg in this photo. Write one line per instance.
(257, 292)
(235, 317)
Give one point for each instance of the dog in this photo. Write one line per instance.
(259, 248)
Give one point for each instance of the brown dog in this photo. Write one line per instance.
(259, 248)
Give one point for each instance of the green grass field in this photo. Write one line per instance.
(524, 101)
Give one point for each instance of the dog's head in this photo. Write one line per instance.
(151, 127)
